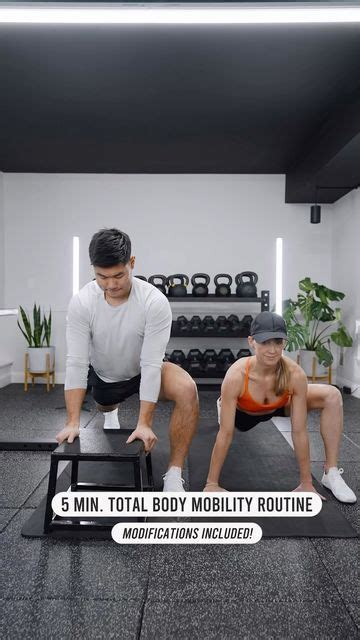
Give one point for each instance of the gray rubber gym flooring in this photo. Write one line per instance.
(280, 588)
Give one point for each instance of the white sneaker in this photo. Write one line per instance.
(218, 405)
(173, 482)
(333, 481)
(111, 420)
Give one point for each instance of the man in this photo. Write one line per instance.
(121, 326)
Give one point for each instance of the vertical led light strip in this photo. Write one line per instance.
(76, 265)
(279, 276)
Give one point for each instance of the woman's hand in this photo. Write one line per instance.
(213, 486)
(308, 486)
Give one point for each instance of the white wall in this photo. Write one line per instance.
(345, 277)
(2, 241)
(177, 223)
(6, 350)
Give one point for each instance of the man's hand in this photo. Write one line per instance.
(213, 486)
(69, 433)
(145, 434)
(308, 486)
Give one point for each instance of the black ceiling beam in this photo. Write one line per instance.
(329, 156)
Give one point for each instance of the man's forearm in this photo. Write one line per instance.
(146, 414)
(74, 399)
(302, 452)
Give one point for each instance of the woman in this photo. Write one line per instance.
(269, 384)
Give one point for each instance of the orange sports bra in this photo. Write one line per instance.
(247, 403)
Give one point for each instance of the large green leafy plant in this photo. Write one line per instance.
(40, 331)
(305, 318)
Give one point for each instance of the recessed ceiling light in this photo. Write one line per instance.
(261, 13)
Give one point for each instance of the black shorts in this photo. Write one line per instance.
(108, 393)
(245, 421)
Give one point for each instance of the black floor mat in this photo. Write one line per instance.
(259, 460)
(262, 460)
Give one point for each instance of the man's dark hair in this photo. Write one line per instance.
(109, 247)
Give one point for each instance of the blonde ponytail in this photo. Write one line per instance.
(282, 379)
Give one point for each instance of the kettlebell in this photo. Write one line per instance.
(224, 288)
(160, 285)
(141, 278)
(246, 288)
(200, 289)
(176, 290)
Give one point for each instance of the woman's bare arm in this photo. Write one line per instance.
(299, 432)
(230, 391)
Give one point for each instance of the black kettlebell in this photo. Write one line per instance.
(141, 278)
(176, 290)
(224, 288)
(159, 285)
(200, 289)
(246, 288)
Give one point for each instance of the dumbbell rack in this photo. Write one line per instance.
(263, 300)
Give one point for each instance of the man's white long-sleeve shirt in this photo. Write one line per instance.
(119, 342)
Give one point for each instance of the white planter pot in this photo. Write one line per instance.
(306, 363)
(37, 358)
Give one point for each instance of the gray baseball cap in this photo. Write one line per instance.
(267, 326)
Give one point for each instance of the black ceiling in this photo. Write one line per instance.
(176, 99)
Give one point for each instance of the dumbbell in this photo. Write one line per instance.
(226, 358)
(210, 362)
(196, 325)
(243, 353)
(209, 325)
(234, 323)
(195, 362)
(178, 357)
(183, 325)
(221, 324)
(245, 324)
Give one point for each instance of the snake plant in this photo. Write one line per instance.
(305, 319)
(40, 331)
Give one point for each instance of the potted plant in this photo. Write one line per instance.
(37, 336)
(310, 324)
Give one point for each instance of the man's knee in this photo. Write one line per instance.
(333, 397)
(186, 392)
(106, 408)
